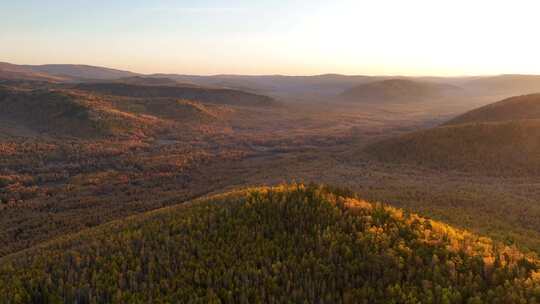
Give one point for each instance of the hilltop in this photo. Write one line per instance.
(18, 72)
(79, 72)
(500, 138)
(61, 72)
(291, 243)
(397, 90)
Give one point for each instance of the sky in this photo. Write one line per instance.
(293, 37)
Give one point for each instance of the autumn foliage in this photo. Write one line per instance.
(294, 243)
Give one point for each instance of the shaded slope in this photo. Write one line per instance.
(514, 108)
(160, 81)
(397, 90)
(508, 148)
(178, 110)
(500, 138)
(48, 112)
(299, 244)
(217, 96)
(65, 113)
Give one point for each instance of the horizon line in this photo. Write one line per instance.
(272, 75)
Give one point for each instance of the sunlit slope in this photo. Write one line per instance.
(288, 244)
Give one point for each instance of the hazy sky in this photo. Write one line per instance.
(414, 37)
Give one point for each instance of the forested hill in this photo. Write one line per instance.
(209, 95)
(299, 244)
(500, 139)
(514, 108)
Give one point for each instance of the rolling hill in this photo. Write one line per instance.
(397, 90)
(302, 87)
(81, 72)
(140, 80)
(66, 114)
(18, 72)
(500, 138)
(514, 108)
(215, 96)
(61, 72)
(79, 114)
(290, 243)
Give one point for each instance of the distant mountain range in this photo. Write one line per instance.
(312, 88)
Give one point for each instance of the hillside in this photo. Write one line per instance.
(140, 80)
(18, 72)
(215, 96)
(397, 90)
(503, 148)
(514, 108)
(292, 243)
(505, 84)
(178, 110)
(77, 72)
(49, 112)
(79, 114)
(66, 114)
(500, 138)
(60, 72)
(312, 87)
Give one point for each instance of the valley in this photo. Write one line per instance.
(269, 152)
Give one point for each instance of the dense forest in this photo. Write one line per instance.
(499, 139)
(301, 244)
(510, 148)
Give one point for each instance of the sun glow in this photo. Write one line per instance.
(416, 37)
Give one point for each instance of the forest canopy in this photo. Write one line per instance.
(296, 243)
